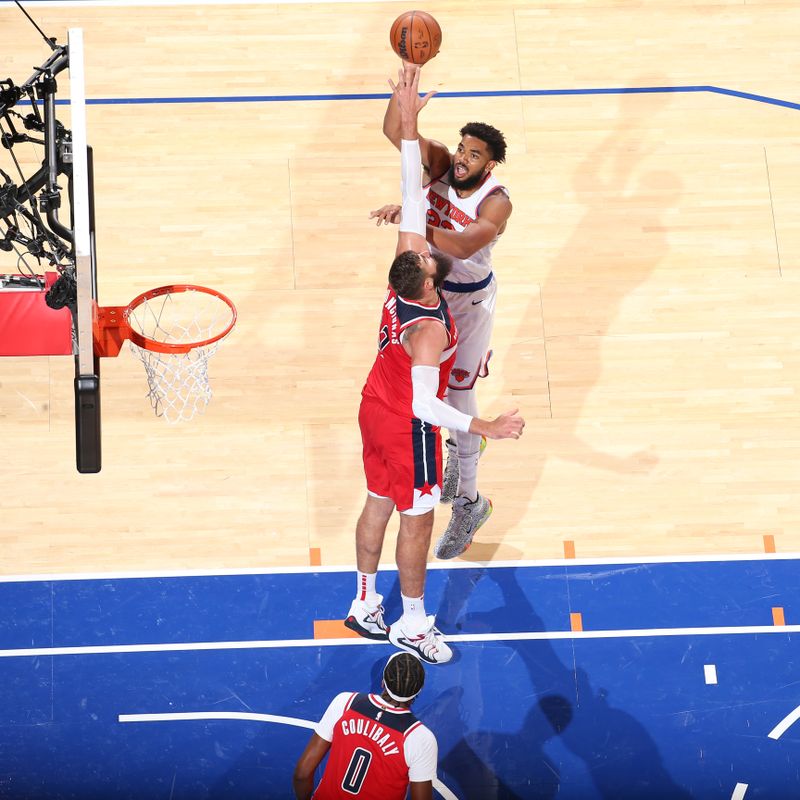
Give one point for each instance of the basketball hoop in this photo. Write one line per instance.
(174, 330)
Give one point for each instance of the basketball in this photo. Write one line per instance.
(416, 37)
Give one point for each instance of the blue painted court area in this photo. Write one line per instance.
(205, 687)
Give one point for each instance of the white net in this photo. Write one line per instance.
(179, 385)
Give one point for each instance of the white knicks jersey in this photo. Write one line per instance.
(449, 211)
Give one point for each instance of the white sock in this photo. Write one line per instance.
(414, 609)
(366, 589)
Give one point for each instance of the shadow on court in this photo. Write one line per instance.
(619, 757)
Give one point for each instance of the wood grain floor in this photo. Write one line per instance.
(649, 280)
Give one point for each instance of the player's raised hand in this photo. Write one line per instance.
(406, 90)
(387, 214)
(506, 426)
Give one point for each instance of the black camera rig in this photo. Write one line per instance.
(29, 205)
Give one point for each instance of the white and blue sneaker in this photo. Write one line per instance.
(367, 621)
(427, 643)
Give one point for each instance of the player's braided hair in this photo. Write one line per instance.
(492, 137)
(406, 276)
(403, 677)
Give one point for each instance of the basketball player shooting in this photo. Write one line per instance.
(467, 210)
(402, 409)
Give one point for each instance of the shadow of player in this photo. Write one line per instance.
(619, 239)
(621, 759)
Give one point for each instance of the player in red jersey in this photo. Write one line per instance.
(468, 210)
(378, 748)
(402, 409)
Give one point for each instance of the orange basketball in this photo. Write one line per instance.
(416, 37)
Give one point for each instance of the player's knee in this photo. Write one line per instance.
(416, 525)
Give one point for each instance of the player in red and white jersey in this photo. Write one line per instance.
(468, 210)
(376, 747)
(401, 410)
(389, 381)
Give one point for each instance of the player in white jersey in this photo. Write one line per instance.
(467, 211)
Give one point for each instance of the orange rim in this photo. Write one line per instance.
(113, 323)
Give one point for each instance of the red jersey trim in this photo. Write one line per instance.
(448, 331)
(414, 321)
(377, 700)
(350, 702)
(412, 728)
(420, 305)
(493, 192)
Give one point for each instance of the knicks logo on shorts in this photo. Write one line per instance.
(460, 374)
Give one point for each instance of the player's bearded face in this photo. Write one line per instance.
(467, 180)
(443, 267)
(469, 165)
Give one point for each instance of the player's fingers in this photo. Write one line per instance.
(428, 97)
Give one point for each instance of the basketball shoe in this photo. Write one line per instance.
(367, 621)
(450, 475)
(427, 643)
(467, 518)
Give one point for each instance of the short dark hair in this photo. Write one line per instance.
(490, 136)
(406, 276)
(404, 675)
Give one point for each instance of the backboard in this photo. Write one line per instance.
(87, 363)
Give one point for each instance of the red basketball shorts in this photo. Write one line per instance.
(402, 458)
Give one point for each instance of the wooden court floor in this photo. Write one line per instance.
(649, 279)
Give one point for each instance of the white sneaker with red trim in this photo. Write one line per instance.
(426, 643)
(367, 621)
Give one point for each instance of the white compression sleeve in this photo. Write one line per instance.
(415, 208)
(428, 407)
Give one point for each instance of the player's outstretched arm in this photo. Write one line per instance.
(507, 426)
(425, 343)
(436, 157)
(411, 235)
(390, 213)
(303, 780)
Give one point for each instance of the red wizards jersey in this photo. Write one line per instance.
(376, 749)
(389, 380)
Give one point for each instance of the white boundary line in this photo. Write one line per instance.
(545, 562)
(244, 715)
(739, 791)
(251, 717)
(266, 644)
(785, 724)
